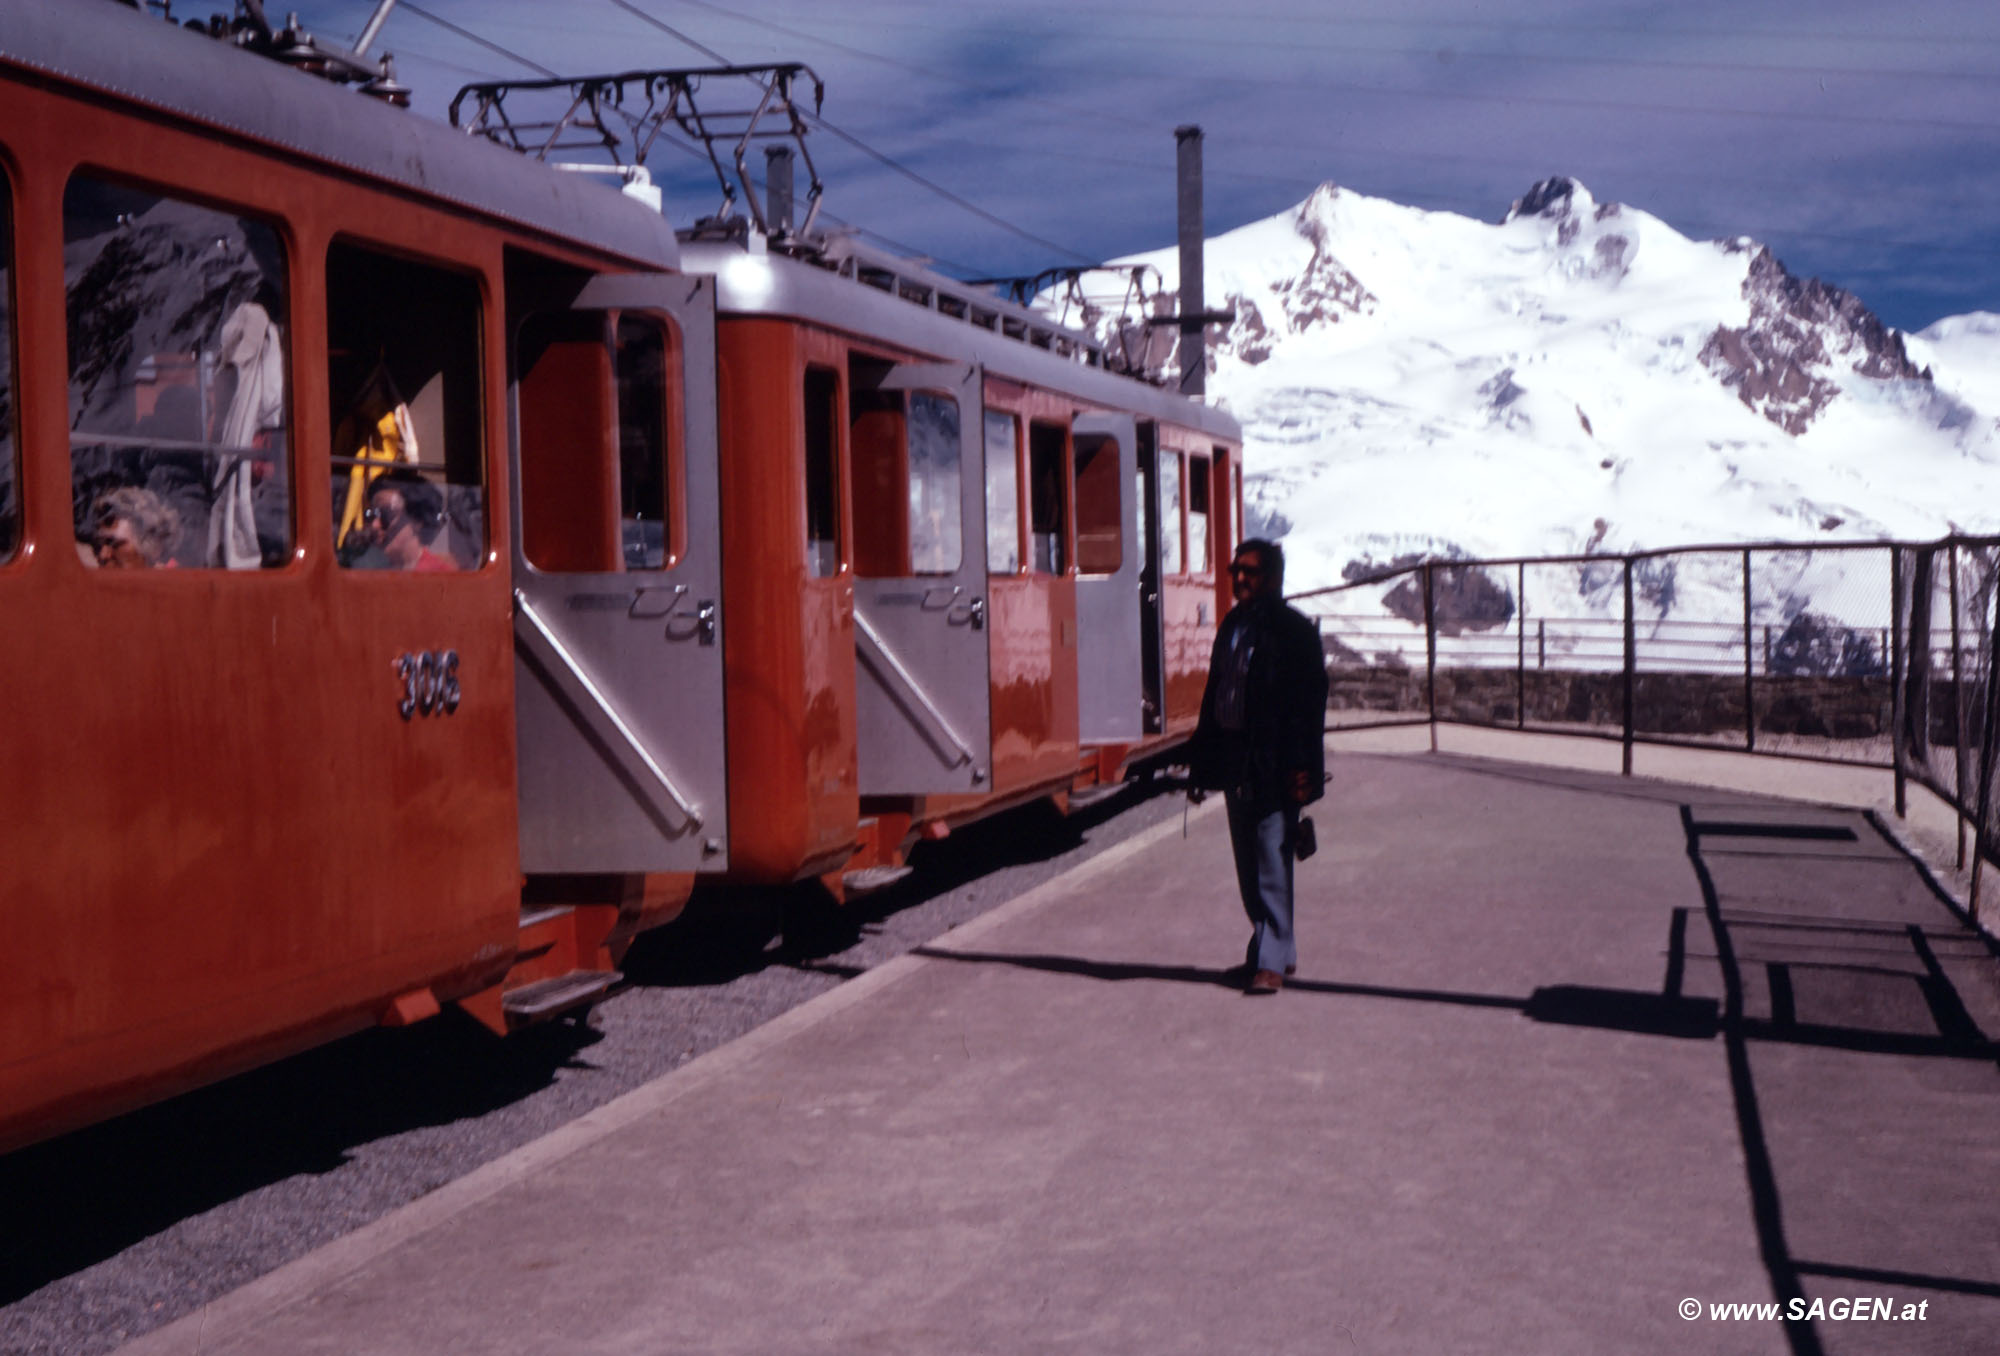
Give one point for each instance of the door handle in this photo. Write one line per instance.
(704, 621)
(971, 612)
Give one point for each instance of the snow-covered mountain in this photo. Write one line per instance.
(1578, 377)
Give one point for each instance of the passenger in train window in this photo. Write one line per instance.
(176, 319)
(405, 513)
(403, 371)
(133, 529)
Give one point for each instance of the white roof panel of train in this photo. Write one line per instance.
(118, 51)
(771, 284)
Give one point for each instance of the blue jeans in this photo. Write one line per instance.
(1262, 841)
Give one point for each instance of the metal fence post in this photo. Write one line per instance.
(1749, 667)
(1898, 737)
(1431, 654)
(1957, 704)
(1631, 666)
(1986, 752)
(1521, 646)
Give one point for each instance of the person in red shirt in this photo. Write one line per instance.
(404, 514)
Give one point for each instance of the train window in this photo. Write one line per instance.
(936, 496)
(1046, 474)
(177, 371)
(403, 386)
(644, 500)
(589, 384)
(10, 512)
(1198, 561)
(1100, 520)
(1003, 492)
(906, 473)
(822, 397)
(1170, 511)
(566, 405)
(879, 472)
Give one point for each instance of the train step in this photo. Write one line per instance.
(1093, 795)
(869, 879)
(548, 998)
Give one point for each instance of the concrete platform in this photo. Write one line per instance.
(1565, 1052)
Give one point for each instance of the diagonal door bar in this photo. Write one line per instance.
(874, 649)
(597, 711)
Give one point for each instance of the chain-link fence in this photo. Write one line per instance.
(1878, 655)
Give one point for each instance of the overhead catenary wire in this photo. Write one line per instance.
(672, 32)
(820, 122)
(879, 157)
(683, 147)
(1014, 95)
(472, 37)
(946, 193)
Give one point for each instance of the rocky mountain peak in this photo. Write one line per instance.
(1553, 197)
(1580, 377)
(1802, 335)
(1590, 240)
(1325, 290)
(1322, 293)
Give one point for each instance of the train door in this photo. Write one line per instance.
(1108, 622)
(923, 719)
(1152, 636)
(617, 574)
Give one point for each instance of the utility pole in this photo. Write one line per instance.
(1193, 318)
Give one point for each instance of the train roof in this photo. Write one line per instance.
(115, 51)
(909, 307)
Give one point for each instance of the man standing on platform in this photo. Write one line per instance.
(1261, 742)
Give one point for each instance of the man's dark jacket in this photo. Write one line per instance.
(1284, 708)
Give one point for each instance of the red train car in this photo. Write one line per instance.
(422, 574)
(966, 567)
(255, 534)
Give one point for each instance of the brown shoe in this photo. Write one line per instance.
(1291, 970)
(1265, 981)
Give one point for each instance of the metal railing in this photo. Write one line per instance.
(1873, 655)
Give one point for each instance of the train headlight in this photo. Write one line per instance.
(749, 279)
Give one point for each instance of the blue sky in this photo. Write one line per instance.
(1861, 141)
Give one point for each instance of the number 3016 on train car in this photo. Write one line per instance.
(430, 683)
